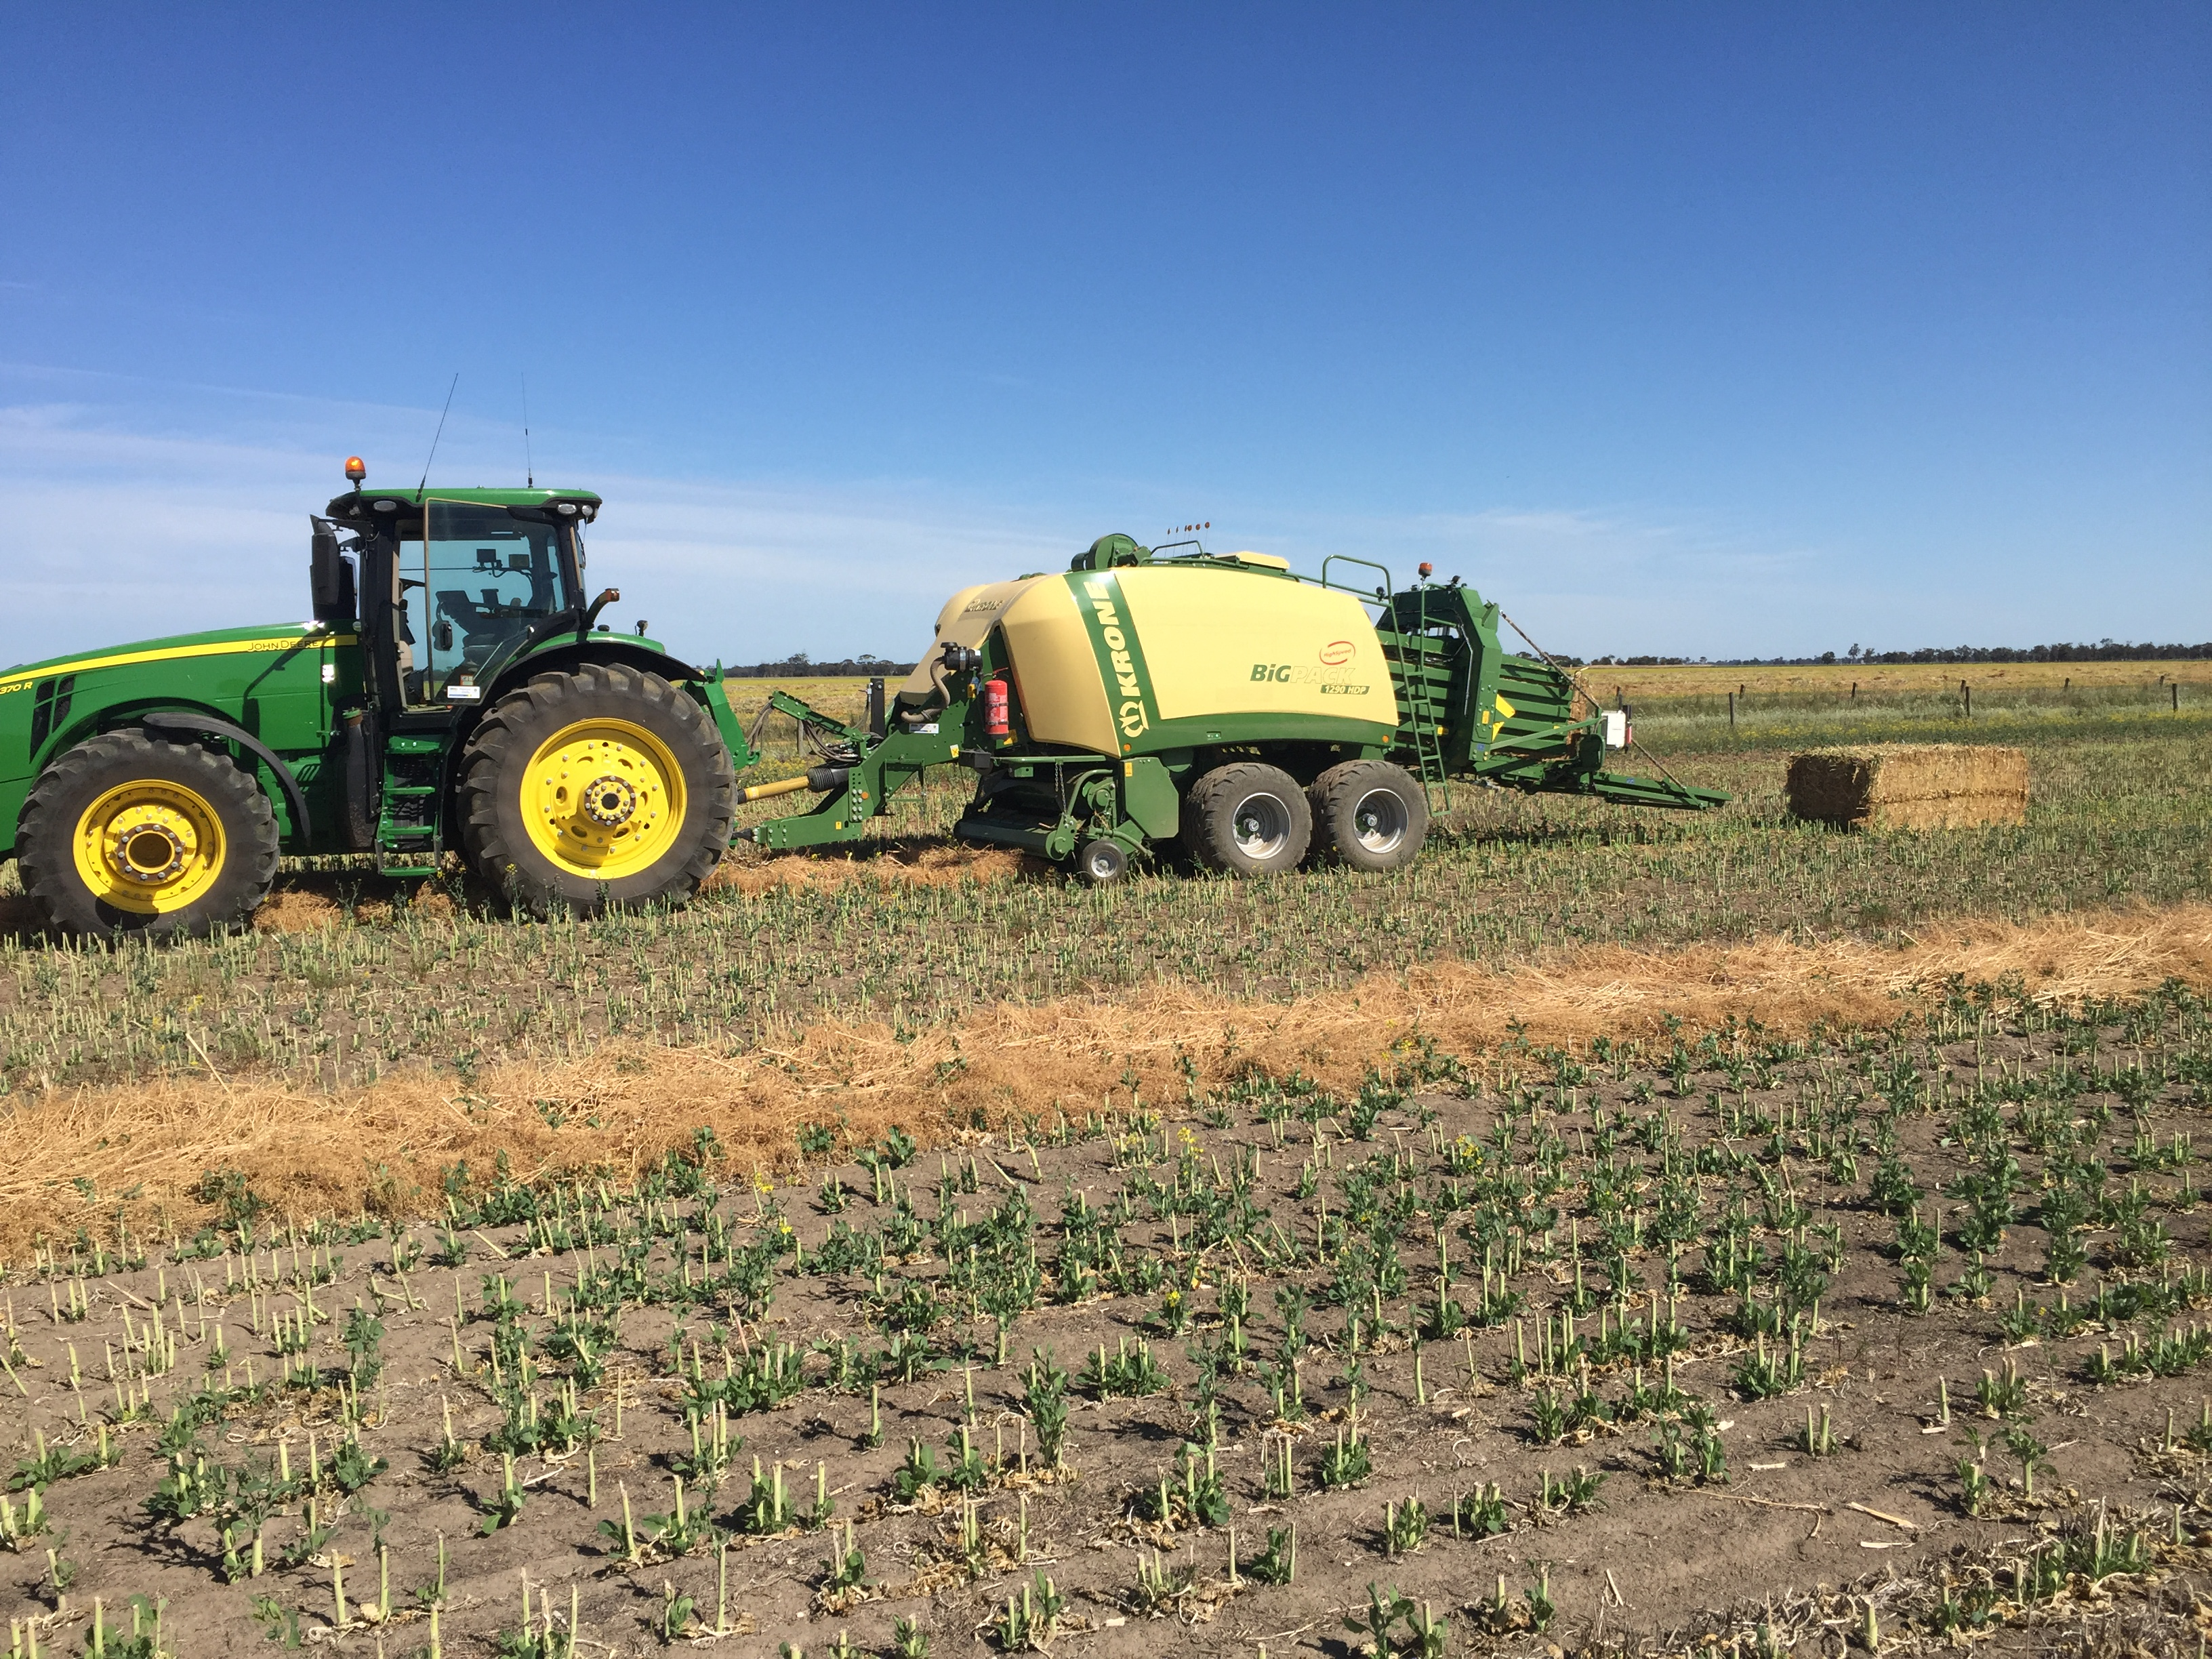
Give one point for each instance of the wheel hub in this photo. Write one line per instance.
(604, 799)
(1379, 821)
(1261, 826)
(610, 800)
(150, 845)
(150, 851)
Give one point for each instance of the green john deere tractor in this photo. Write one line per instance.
(455, 689)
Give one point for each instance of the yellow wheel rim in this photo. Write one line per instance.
(604, 799)
(151, 847)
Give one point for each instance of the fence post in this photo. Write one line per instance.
(1731, 711)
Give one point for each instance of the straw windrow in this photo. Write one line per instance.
(386, 1146)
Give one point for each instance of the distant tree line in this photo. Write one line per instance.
(2103, 651)
(801, 666)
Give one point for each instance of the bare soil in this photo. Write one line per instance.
(1778, 1546)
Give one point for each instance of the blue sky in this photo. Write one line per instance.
(1710, 330)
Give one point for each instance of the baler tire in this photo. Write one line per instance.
(515, 737)
(1102, 862)
(197, 794)
(1369, 814)
(1276, 838)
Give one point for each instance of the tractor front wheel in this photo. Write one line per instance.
(124, 835)
(606, 786)
(1248, 819)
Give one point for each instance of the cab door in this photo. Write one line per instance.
(477, 579)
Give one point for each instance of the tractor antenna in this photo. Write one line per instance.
(529, 472)
(435, 436)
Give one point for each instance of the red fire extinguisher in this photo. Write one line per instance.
(996, 719)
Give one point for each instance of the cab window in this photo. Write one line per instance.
(473, 579)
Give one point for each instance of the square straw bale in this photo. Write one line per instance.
(1909, 786)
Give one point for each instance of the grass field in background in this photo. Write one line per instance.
(1834, 681)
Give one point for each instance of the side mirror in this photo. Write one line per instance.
(441, 635)
(330, 578)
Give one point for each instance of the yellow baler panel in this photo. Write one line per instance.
(1225, 643)
(967, 620)
(1063, 699)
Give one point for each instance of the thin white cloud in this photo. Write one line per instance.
(136, 508)
(114, 534)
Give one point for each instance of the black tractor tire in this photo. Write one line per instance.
(1247, 819)
(496, 775)
(1369, 814)
(225, 869)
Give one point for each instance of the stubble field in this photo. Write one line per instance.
(1620, 1233)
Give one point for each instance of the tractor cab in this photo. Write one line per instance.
(454, 584)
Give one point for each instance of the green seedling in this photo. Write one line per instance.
(1031, 1619)
(1345, 1463)
(846, 1568)
(2031, 1456)
(1570, 1494)
(1481, 1513)
(1541, 1611)
(1385, 1607)
(2005, 1396)
(1405, 1527)
(1160, 1588)
(768, 1509)
(677, 1614)
(917, 1475)
(1975, 1486)
(505, 1508)
(1279, 1563)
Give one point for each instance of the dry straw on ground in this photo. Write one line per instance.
(1910, 785)
(921, 863)
(385, 1146)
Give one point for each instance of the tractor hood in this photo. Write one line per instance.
(216, 642)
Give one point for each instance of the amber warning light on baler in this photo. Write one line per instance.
(357, 469)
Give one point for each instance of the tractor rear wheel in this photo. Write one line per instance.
(606, 786)
(1248, 819)
(123, 835)
(1369, 814)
